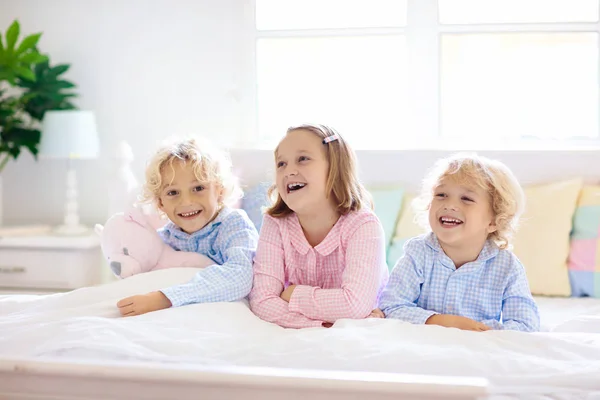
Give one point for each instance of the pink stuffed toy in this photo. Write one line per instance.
(131, 245)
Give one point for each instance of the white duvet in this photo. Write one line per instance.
(85, 324)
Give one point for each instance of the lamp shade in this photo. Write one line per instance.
(69, 134)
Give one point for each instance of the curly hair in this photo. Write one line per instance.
(209, 163)
(507, 199)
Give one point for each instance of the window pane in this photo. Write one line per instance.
(355, 84)
(517, 11)
(514, 85)
(329, 14)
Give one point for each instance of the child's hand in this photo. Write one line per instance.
(456, 321)
(376, 313)
(141, 304)
(287, 293)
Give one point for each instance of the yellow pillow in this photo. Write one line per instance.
(542, 241)
(406, 226)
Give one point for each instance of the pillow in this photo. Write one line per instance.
(584, 256)
(387, 203)
(542, 242)
(405, 229)
(253, 202)
(543, 239)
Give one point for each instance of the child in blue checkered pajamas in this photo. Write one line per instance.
(192, 183)
(461, 274)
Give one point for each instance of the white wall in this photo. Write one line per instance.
(150, 68)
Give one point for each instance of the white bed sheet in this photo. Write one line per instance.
(560, 313)
(85, 325)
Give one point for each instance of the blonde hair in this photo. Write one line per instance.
(342, 178)
(210, 165)
(507, 199)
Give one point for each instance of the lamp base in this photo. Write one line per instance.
(71, 225)
(71, 230)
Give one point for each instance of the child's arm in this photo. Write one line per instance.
(400, 296)
(364, 274)
(142, 304)
(269, 280)
(227, 282)
(519, 311)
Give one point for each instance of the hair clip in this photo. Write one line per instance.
(331, 138)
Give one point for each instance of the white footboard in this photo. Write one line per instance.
(20, 379)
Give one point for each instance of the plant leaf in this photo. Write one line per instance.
(58, 70)
(41, 67)
(28, 96)
(16, 137)
(14, 152)
(30, 138)
(7, 75)
(10, 78)
(12, 34)
(25, 83)
(28, 43)
(33, 58)
(46, 93)
(63, 85)
(1, 46)
(25, 72)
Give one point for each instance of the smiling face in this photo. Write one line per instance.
(302, 170)
(460, 215)
(188, 203)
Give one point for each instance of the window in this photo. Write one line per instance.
(340, 62)
(517, 11)
(399, 74)
(329, 14)
(516, 85)
(354, 83)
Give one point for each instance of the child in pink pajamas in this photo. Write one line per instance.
(321, 250)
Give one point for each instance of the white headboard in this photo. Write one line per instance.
(41, 200)
(408, 167)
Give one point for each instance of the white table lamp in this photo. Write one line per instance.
(70, 135)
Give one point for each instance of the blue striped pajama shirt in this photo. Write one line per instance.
(492, 290)
(230, 240)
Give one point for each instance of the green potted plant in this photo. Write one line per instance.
(29, 86)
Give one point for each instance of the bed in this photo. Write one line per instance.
(75, 345)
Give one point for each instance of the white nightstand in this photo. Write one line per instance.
(47, 264)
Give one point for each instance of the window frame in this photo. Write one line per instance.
(423, 32)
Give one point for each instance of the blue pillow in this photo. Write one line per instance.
(394, 253)
(253, 202)
(387, 203)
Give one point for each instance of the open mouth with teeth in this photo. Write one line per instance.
(294, 187)
(190, 215)
(449, 221)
